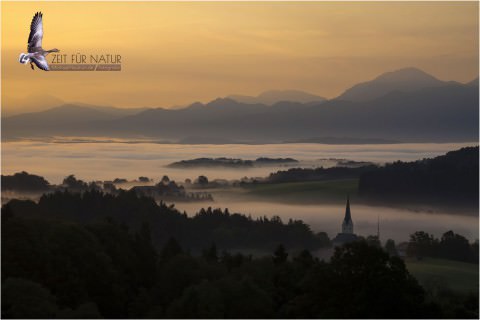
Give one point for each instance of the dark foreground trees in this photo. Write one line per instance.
(227, 230)
(450, 246)
(63, 258)
(61, 269)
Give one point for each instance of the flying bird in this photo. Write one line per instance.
(36, 55)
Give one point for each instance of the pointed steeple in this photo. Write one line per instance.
(347, 225)
(348, 216)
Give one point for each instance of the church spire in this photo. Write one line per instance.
(348, 216)
(347, 225)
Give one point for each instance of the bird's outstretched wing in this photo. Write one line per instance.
(36, 32)
(40, 62)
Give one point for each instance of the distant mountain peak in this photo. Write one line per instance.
(406, 74)
(406, 80)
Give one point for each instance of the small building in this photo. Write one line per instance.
(347, 234)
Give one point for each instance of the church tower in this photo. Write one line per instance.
(347, 225)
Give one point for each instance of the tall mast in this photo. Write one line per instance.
(378, 227)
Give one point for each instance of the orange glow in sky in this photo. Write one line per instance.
(178, 53)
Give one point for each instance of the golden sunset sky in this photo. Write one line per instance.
(179, 53)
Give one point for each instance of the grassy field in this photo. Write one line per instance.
(458, 276)
(305, 192)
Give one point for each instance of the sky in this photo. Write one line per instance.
(176, 53)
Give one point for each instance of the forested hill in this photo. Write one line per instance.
(93, 255)
(227, 230)
(318, 174)
(452, 177)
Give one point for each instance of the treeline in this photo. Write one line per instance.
(93, 255)
(60, 269)
(229, 162)
(26, 182)
(450, 246)
(449, 178)
(229, 230)
(318, 174)
(23, 181)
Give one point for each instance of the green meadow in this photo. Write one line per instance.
(458, 276)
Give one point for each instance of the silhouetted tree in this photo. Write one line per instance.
(22, 298)
(384, 281)
(165, 180)
(422, 244)
(147, 256)
(454, 246)
(373, 241)
(202, 181)
(280, 255)
(304, 259)
(24, 181)
(210, 254)
(74, 184)
(391, 248)
(170, 250)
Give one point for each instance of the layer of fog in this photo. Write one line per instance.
(395, 224)
(106, 161)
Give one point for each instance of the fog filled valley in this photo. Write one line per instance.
(318, 200)
(151, 230)
(94, 159)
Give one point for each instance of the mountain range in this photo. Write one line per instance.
(272, 97)
(405, 105)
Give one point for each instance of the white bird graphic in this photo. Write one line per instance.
(36, 54)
